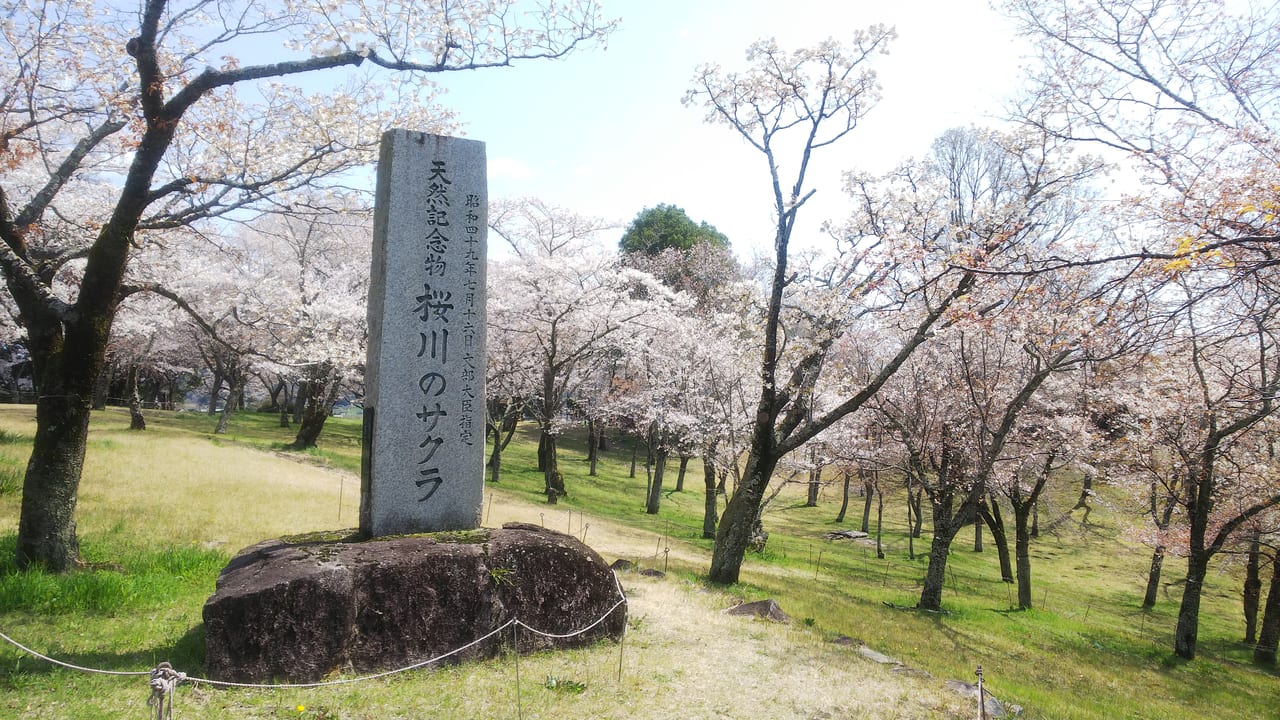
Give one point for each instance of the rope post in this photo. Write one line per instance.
(982, 697)
(515, 647)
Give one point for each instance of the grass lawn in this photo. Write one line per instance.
(162, 511)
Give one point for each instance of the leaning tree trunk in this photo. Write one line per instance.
(741, 515)
(495, 456)
(991, 515)
(1264, 653)
(844, 498)
(322, 392)
(235, 388)
(936, 575)
(684, 465)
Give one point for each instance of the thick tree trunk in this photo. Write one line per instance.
(655, 487)
(740, 518)
(709, 499)
(552, 480)
(936, 575)
(1264, 653)
(977, 534)
(47, 526)
(1187, 631)
(1022, 552)
(684, 466)
(1252, 591)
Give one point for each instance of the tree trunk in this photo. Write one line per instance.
(215, 387)
(655, 488)
(916, 503)
(234, 389)
(879, 522)
(867, 484)
(322, 392)
(709, 504)
(1185, 635)
(47, 526)
(977, 534)
(593, 446)
(989, 512)
(552, 480)
(1035, 518)
(1022, 551)
(300, 395)
(1153, 576)
(1252, 591)
(844, 498)
(633, 458)
(815, 486)
(684, 465)
(101, 387)
(495, 457)
(136, 420)
(740, 518)
(1264, 653)
(936, 575)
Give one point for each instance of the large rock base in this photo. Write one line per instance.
(299, 610)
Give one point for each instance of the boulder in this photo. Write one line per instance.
(299, 609)
(765, 609)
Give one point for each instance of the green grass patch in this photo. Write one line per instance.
(161, 511)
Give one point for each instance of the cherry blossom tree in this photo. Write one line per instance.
(909, 256)
(569, 305)
(135, 105)
(1184, 90)
(307, 290)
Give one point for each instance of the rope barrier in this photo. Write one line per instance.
(163, 679)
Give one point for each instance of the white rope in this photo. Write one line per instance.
(163, 679)
(46, 658)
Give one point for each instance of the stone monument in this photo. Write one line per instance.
(423, 465)
(418, 580)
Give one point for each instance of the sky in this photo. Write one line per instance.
(603, 132)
